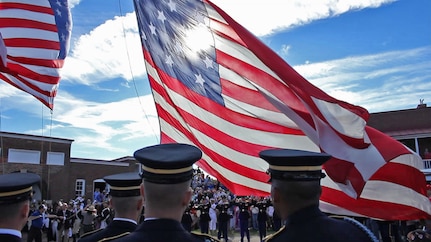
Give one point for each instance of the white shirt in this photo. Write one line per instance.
(11, 232)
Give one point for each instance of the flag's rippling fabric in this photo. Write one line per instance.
(34, 42)
(218, 87)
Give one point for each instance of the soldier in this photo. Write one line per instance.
(126, 200)
(244, 205)
(262, 216)
(204, 218)
(167, 171)
(15, 196)
(295, 192)
(223, 218)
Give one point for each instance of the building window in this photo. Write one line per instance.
(425, 147)
(24, 156)
(55, 158)
(411, 143)
(80, 187)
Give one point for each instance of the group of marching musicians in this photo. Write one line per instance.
(217, 216)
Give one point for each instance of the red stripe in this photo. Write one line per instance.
(382, 141)
(32, 86)
(225, 31)
(32, 43)
(372, 208)
(29, 7)
(56, 63)
(41, 92)
(25, 23)
(403, 175)
(246, 95)
(267, 82)
(39, 77)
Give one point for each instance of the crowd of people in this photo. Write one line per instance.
(213, 210)
(180, 200)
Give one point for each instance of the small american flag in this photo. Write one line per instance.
(34, 42)
(220, 88)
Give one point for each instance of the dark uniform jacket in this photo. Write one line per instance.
(10, 238)
(162, 230)
(310, 224)
(116, 227)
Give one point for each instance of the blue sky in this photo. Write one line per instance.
(375, 54)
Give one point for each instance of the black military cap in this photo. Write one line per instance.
(168, 163)
(16, 187)
(124, 184)
(294, 165)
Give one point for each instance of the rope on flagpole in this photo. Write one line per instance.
(132, 74)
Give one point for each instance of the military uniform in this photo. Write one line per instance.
(244, 216)
(121, 185)
(116, 227)
(307, 223)
(15, 188)
(310, 224)
(223, 219)
(163, 230)
(165, 164)
(204, 217)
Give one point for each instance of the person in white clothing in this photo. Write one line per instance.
(213, 216)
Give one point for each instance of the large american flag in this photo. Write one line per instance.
(34, 42)
(220, 88)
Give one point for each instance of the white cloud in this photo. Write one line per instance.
(269, 16)
(116, 127)
(111, 50)
(378, 82)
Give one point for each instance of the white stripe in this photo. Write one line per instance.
(48, 71)
(29, 33)
(54, 72)
(398, 194)
(341, 119)
(42, 3)
(28, 15)
(247, 109)
(260, 113)
(334, 209)
(225, 172)
(43, 86)
(409, 160)
(243, 54)
(212, 13)
(33, 52)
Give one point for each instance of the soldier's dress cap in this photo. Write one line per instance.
(17, 187)
(294, 165)
(168, 163)
(124, 184)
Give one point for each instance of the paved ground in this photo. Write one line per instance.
(234, 236)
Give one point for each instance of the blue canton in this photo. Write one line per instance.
(177, 35)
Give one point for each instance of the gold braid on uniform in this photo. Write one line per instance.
(90, 233)
(205, 237)
(271, 236)
(114, 237)
(362, 227)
